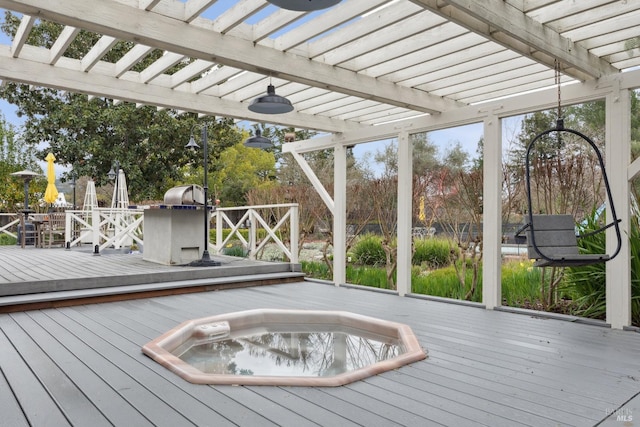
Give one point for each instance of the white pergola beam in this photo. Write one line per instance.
(22, 34)
(334, 17)
(275, 21)
(97, 52)
(131, 58)
(167, 61)
(193, 70)
(179, 37)
(67, 76)
(365, 26)
(61, 44)
(313, 178)
(500, 21)
(538, 101)
(193, 8)
(214, 77)
(382, 45)
(239, 83)
(237, 14)
(148, 4)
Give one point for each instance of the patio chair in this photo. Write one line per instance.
(53, 229)
(556, 244)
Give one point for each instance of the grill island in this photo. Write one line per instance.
(173, 231)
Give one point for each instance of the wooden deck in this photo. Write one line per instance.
(34, 278)
(83, 366)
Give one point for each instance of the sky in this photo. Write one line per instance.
(468, 137)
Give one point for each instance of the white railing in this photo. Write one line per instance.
(105, 227)
(11, 225)
(117, 228)
(279, 227)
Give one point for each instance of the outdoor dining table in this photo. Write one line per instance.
(38, 221)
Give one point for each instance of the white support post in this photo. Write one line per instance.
(95, 225)
(339, 215)
(68, 229)
(253, 233)
(294, 233)
(618, 158)
(492, 213)
(405, 192)
(219, 227)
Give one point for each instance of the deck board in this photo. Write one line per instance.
(12, 413)
(182, 405)
(458, 374)
(506, 403)
(34, 399)
(429, 410)
(99, 392)
(381, 408)
(155, 376)
(128, 389)
(484, 367)
(73, 403)
(344, 408)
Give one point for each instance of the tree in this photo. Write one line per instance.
(426, 179)
(565, 176)
(382, 196)
(241, 169)
(388, 157)
(91, 134)
(565, 172)
(460, 191)
(15, 155)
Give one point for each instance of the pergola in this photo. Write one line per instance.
(363, 70)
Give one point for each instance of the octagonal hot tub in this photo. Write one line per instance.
(284, 347)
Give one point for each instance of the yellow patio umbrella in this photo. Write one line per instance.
(51, 194)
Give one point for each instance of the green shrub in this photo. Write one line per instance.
(587, 285)
(367, 276)
(434, 253)
(368, 251)
(235, 250)
(442, 283)
(520, 283)
(6, 240)
(317, 270)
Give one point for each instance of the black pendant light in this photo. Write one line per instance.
(304, 5)
(258, 141)
(192, 145)
(271, 103)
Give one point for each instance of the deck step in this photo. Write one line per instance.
(22, 302)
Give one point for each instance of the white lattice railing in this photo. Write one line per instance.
(12, 226)
(105, 227)
(117, 228)
(114, 226)
(280, 227)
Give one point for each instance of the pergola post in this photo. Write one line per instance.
(339, 215)
(492, 213)
(405, 192)
(618, 157)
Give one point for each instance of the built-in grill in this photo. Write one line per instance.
(184, 195)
